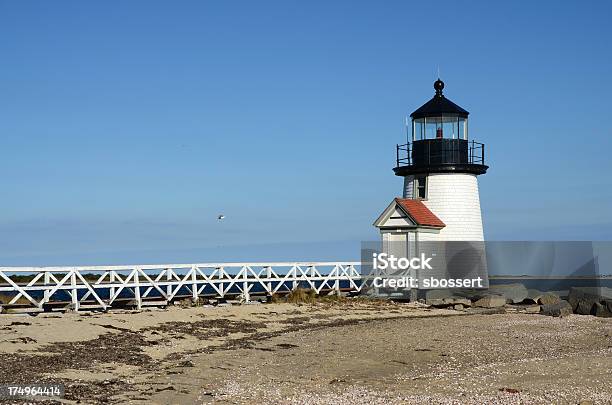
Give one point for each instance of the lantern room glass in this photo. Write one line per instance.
(445, 126)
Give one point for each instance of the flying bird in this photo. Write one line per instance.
(220, 217)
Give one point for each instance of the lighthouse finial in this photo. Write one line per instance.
(438, 86)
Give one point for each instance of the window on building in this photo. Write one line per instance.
(420, 187)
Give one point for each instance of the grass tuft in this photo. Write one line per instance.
(302, 296)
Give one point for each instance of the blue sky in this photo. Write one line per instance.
(126, 127)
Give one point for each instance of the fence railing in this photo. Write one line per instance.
(103, 286)
(439, 152)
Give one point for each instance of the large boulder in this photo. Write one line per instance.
(562, 308)
(533, 295)
(561, 293)
(602, 310)
(514, 293)
(549, 299)
(583, 299)
(491, 301)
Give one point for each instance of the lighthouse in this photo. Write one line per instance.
(439, 208)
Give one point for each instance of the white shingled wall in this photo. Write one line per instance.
(409, 187)
(452, 197)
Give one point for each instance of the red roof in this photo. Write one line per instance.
(420, 213)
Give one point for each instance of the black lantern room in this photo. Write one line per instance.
(439, 140)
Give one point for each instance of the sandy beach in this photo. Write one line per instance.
(350, 351)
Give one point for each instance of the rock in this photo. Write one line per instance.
(470, 294)
(562, 308)
(549, 299)
(184, 303)
(416, 305)
(583, 299)
(522, 308)
(601, 310)
(458, 307)
(514, 293)
(534, 295)
(439, 302)
(608, 304)
(461, 301)
(437, 294)
(489, 311)
(449, 301)
(491, 301)
(560, 293)
(436, 302)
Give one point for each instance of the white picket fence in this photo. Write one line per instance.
(159, 284)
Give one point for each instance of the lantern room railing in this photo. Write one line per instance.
(434, 152)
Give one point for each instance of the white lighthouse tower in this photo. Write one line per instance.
(440, 204)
